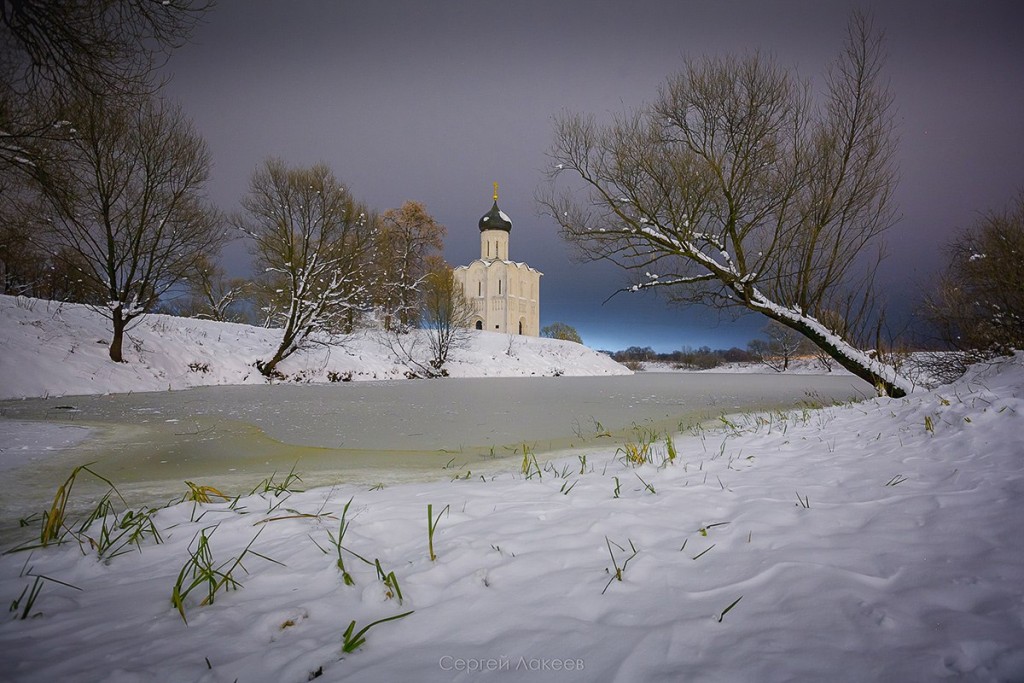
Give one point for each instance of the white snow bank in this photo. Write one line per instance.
(873, 542)
(54, 349)
(799, 366)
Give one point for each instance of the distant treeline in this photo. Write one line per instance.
(703, 358)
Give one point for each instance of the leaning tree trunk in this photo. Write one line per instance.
(292, 338)
(886, 380)
(269, 368)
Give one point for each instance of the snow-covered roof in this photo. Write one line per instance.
(490, 262)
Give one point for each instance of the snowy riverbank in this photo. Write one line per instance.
(876, 541)
(55, 349)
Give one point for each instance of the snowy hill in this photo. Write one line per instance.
(53, 349)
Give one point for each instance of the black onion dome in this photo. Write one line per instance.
(495, 219)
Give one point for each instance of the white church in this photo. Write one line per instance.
(504, 294)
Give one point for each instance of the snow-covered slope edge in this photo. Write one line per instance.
(55, 349)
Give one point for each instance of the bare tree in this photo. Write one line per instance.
(22, 261)
(445, 317)
(52, 50)
(733, 190)
(27, 266)
(311, 240)
(125, 205)
(408, 237)
(781, 345)
(446, 314)
(115, 43)
(211, 294)
(978, 306)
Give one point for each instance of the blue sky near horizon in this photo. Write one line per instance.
(435, 101)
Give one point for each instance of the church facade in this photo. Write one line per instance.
(504, 294)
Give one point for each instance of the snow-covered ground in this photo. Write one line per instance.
(878, 541)
(799, 366)
(917, 367)
(54, 349)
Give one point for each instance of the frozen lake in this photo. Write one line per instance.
(361, 432)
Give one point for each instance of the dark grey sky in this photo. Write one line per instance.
(433, 101)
